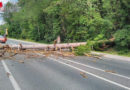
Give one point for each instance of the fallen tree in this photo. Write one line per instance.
(47, 47)
(103, 45)
(12, 50)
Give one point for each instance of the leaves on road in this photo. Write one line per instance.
(93, 55)
(18, 55)
(8, 74)
(94, 61)
(83, 75)
(110, 71)
(21, 61)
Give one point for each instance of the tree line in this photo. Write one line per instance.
(72, 20)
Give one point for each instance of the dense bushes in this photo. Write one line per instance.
(72, 20)
(123, 38)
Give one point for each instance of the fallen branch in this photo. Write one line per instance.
(47, 47)
(7, 51)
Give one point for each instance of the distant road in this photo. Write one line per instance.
(63, 73)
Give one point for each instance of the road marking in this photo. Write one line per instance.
(13, 81)
(96, 68)
(112, 82)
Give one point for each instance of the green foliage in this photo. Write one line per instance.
(123, 37)
(83, 49)
(72, 20)
(3, 28)
(98, 46)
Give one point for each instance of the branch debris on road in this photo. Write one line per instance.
(83, 75)
(7, 52)
(110, 71)
(8, 74)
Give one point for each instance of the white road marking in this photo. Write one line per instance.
(95, 68)
(107, 80)
(13, 81)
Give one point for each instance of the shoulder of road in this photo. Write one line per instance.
(116, 57)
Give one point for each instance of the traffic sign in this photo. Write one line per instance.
(1, 4)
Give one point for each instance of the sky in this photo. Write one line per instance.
(4, 2)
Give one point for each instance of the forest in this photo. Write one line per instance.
(72, 20)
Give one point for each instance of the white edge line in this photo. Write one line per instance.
(13, 81)
(120, 85)
(96, 68)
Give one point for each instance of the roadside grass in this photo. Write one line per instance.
(115, 52)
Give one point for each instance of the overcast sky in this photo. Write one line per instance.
(4, 2)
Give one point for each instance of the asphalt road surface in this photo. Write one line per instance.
(63, 73)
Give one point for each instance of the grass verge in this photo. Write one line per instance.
(115, 52)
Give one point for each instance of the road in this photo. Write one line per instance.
(64, 73)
